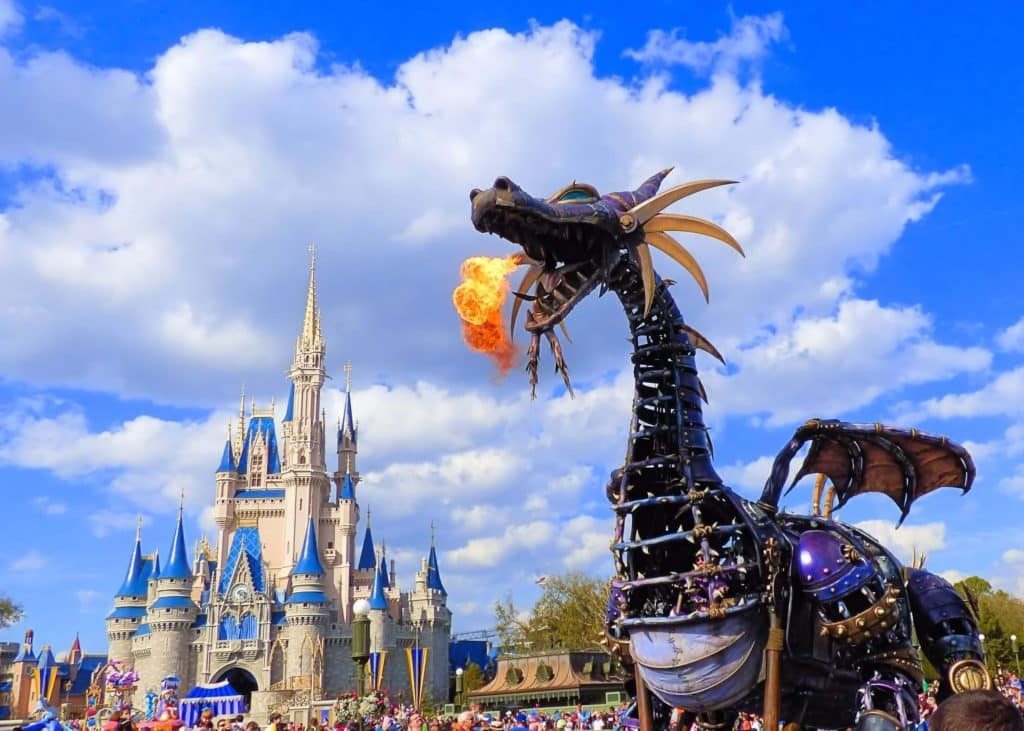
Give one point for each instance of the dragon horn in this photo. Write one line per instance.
(690, 224)
(670, 246)
(643, 253)
(529, 279)
(646, 210)
(626, 199)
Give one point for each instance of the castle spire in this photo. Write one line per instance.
(368, 556)
(134, 582)
(74, 655)
(377, 598)
(433, 572)
(309, 560)
(311, 338)
(177, 562)
(227, 459)
(347, 428)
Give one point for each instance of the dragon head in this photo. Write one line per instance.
(574, 239)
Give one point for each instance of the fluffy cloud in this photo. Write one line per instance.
(907, 539)
(1003, 395)
(10, 18)
(748, 41)
(1012, 338)
(828, 365)
(227, 157)
(30, 561)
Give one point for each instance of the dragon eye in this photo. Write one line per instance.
(575, 193)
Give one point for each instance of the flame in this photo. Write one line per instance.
(479, 299)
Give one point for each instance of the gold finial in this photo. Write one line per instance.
(181, 501)
(348, 376)
(138, 528)
(312, 258)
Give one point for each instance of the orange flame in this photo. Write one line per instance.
(478, 300)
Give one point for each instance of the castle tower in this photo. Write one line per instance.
(228, 482)
(368, 554)
(129, 603)
(23, 669)
(74, 655)
(306, 610)
(171, 616)
(380, 610)
(347, 510)
(432, 621)
(307, 483)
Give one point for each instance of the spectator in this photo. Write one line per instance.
(978, 710)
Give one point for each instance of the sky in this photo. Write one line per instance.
(164, 167)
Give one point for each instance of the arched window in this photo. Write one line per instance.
(249, 627)
(228, 628)
(256, 470)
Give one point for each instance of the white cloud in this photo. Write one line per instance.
(227, 157)
(1012, 338)
(10, 18)
(907, 539)
(1013, 556)
(49, 506)
(748, 41)
(747, 477)
(953, 576)
(1003, 395)
(30, 561)
(828, 365)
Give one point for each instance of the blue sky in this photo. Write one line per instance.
(163, 167)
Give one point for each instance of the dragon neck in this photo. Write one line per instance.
(667, 424)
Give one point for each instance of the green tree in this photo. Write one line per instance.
(472, 677)
(1000, 616)
(9, 612)
(569, 615)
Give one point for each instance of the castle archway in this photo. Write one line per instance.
(241, 680)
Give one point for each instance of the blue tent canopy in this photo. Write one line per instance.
(221, 698)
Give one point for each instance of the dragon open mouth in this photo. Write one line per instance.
(577, 240)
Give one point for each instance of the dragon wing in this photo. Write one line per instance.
(858, 458)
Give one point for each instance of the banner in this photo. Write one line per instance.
(416, 658)
(377, 660)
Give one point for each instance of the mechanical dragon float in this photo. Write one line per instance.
(721, 604)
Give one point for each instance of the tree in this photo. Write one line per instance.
(472, 677)
(9, 612)
(569, 615)
(1000, 616)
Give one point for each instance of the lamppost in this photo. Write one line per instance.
(1016, 652)
(458, 688)
(361, 642)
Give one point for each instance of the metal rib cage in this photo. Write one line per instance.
(684, 548)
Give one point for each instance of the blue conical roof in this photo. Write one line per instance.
(46, 658)
(348, 490)
(155, 573)
(433, 574)
(347, 427)
(367, 556)
(377, 598)
(177, 562)
(134, 580)
(227, 459)
(309, 560)
(384, 568)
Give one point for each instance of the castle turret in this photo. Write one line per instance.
(23, 670)
(380, 609)
(129, 610)
(431, 618)
(228, 481)
(172, 614)
(74, 655)
(307, 607)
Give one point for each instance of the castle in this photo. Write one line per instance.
(269, 605)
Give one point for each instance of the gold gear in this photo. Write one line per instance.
(970, 674)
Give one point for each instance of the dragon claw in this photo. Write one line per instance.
(560, 366)
(532, 357)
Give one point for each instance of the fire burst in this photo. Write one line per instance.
(478, 300)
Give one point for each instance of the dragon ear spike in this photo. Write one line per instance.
(693, 225)
(529, 279)
(702, 343)
(647, 210)
(643, 253)
(664, 242)
(700, 388)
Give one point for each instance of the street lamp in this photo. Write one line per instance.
(361, 642)
(1016, 653)
(458, 688)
